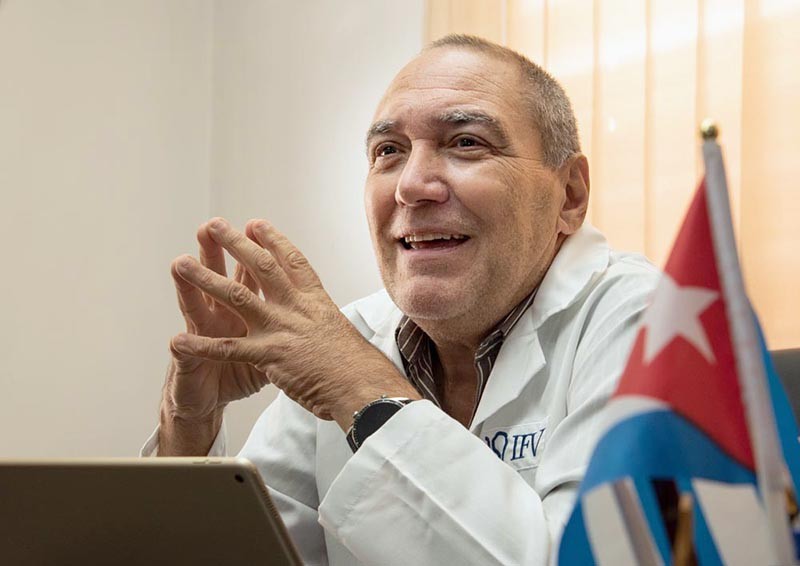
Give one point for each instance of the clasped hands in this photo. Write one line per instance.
(294, 337)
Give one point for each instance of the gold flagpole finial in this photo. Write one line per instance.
(709, 129)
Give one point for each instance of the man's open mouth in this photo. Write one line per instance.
(432, 241)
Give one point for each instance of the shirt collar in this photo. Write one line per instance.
(412, 341)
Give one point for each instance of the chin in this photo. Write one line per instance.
(430, 302)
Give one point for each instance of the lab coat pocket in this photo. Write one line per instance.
(518, 445)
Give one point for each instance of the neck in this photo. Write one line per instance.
(456, 357)
(456, 379)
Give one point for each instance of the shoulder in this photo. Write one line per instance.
(608, 314)
(598, 329)
(625, 285)
(595, 295)
(628, 278)
(586, 274)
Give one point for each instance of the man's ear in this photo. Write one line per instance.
(575, 179)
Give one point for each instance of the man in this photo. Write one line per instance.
(471, 387)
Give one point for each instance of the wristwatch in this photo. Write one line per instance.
(372, 417)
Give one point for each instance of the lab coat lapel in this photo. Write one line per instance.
(582, 255)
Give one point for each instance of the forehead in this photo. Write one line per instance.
(445, 78)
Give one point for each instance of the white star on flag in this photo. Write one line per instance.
(675, 311)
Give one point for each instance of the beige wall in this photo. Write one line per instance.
(295, 86)
(123, 125)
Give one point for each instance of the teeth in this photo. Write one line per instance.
(429, 237)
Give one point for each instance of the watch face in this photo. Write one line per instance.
(374, 418)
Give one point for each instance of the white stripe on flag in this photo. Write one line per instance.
(642, 538)
(624, 407)
(736, 520)
(616, 526)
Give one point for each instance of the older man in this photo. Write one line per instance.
(448, 419)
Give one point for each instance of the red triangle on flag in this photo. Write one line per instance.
(683, 354)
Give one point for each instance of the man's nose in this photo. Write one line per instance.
(422, 179)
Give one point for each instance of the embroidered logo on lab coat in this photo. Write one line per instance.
(518, 445)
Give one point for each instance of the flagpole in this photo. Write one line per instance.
(771, 473)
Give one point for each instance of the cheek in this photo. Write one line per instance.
(375, 206)
(379, 205)
(521, 215)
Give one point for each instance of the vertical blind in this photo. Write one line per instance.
(641, 75)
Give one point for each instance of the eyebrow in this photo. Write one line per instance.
(462, 117)
(456, 116)
(379, 127)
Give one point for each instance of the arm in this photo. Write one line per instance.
(441, 493)
(446, 498)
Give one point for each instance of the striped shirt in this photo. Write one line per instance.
(417, 351)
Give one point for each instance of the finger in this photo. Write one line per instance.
(211, 253)
(218, 349)
(259, 262)
(293, 262)
(243, 276)
(190, 300)
(237, 297)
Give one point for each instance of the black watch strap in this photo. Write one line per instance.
(372, 417)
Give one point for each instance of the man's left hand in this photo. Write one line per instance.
(296, 333)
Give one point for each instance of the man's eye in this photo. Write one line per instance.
(467, 142)
(385, 150)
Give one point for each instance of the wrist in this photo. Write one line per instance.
(187, 435)
(352, 404)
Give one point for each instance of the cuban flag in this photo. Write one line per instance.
(700, 457)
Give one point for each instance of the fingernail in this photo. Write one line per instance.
(184, 264)
(217, 224)
(178, 341)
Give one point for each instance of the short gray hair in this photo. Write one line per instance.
(551, 109)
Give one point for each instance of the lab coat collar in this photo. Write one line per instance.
(582, 255)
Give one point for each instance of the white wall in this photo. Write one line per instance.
(124, 125)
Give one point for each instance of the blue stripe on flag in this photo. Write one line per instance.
(784, 417)
(784, 421)
(660, 444)
(653, 444)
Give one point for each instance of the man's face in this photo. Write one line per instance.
(463, 214)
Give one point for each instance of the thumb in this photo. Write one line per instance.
(184, 363)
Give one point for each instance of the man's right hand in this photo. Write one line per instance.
(197, 390)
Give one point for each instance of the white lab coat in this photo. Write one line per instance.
(423, 490)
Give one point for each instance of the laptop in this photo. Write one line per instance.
(136, 511)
